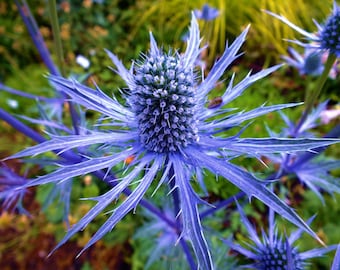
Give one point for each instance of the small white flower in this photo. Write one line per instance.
(12, 103)
(83, 61)
(329, 115)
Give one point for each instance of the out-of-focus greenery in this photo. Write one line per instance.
(266, 35)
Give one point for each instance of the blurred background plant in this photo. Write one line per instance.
(265, 38)
(89, 26)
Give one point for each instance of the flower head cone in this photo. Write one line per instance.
(327, 37)
(171, 132)
(272, 251)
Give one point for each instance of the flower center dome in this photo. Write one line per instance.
(330, 36)
(164, 103)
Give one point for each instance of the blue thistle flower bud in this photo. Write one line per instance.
(330, 34)
(164, 102)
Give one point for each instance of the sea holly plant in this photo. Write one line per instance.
(327, 36)
(171, 134)
(272, 250)
(325, 40)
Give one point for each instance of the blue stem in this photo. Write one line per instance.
(39, 43)
(19, 126)
(37, 38)
(313, 95)
(188, 254)
(176, 200)
(26, 95)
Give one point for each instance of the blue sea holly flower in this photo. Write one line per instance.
(207, 13)
(327, 37)
(315, 173)
(310, 63)
(172, 132)
(272, 251)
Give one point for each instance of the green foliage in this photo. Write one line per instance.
(265, 39)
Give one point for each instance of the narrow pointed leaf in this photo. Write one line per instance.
(192, 227)
(220, 66)
(130, 203)
(63, 143)
(241, 117)
(192, 50)
(268, 145)
(81, 168)
(336, 261)
(102, 202)
(251, 186)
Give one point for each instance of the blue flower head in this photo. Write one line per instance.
(330, 32)
(172, 132)
(327, 37)
(272, 251)
(164, 101)
(207, 13)
(315, 173)
(310, 63)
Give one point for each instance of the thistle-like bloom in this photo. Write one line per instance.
(307, 64)
(314, 173)
(207, 13)
(327, 37)
(303, 130)
(172, 132)
(273, 251)
(311, 62)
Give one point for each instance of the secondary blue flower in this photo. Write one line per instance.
(303, 130)
(310, 63)
(207, 13)
(170, 131)
(314, 173)
(328, 35)
(273, 251)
